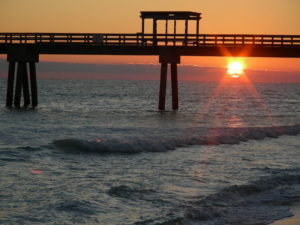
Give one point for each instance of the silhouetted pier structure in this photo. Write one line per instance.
(23, 50)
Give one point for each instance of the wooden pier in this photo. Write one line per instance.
(23, 50)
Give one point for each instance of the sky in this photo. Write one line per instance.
(140, 71)
(120, 16)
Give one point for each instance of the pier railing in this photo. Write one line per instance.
(139, 39)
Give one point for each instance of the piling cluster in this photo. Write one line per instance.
(24, 59)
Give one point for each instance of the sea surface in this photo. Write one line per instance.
(99, 152)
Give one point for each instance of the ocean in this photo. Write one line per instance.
(99, 152)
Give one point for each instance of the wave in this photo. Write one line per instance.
(133, 193)
(75, 206)
(186, 137)
(110, 147)
(260, 202)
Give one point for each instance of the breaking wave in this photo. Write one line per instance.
(162, 143)
(260, 202)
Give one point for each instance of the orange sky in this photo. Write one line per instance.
(120, 16)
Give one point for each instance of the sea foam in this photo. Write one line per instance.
(163, 142)
(260, 202)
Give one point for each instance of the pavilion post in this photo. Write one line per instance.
(143, 30)
(154, 32)
(143, 25)
(197, 33)
(174, 32)
(166, 32)
(186, 31)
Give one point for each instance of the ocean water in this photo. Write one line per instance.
(99, 152)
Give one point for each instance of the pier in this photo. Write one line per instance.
(23, 50)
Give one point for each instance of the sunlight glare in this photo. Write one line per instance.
(235, 69)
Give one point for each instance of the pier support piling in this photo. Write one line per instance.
(10, 84)
(174, 82)
(22, 55)
(163, 86)
(17, 100)
(33, 84)
(168, 56)
(25, 85)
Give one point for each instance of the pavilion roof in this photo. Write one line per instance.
(171, 15)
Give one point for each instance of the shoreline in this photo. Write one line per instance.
(293, 220)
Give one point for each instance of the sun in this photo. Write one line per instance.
(235, 69)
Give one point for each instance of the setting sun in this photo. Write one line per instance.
(235, 69)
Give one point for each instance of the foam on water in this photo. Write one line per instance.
(260, 202)
(212, 136)
(229, 156)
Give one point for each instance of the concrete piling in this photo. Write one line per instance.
(33, 84)
(25, 85)
(168, 56)
(174, 82)
(17, 100)
(10, 84)
(22, 56)
(163, 86)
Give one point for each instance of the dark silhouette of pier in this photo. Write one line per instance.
(23, 50)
